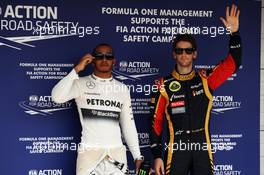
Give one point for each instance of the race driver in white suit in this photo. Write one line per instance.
(104, 107)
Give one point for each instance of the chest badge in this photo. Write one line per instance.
(90, 84)
(174, 86)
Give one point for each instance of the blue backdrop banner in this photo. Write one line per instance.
(40, 42)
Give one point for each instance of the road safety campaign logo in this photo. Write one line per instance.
(222, 104)
(134, 70)
(144, 139)
(226, 170)
(45, 172)
(37, 23)
(42, 105)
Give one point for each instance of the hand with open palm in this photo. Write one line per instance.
(232, 18)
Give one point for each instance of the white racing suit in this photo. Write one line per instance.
(104, 107)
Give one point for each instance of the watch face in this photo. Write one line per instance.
(140, 158)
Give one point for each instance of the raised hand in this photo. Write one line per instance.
(85, 60)
(232, 18)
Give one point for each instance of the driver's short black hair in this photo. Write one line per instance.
(102, 44)
(184, 37)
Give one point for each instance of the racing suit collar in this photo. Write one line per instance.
(183, 77)
(96, 78)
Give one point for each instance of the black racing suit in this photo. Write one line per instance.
(186, 101)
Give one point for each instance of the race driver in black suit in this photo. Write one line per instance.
(185, 97)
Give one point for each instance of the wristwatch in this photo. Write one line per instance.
(140, 158)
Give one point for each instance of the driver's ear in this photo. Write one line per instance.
(174, 55)
(93, 62)
(195, 55)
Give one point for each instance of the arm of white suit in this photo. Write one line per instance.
(128, 127)
(66, 89)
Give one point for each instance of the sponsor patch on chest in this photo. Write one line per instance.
(196, 85)
(177, 104)
(178, 110)
(197, 92)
